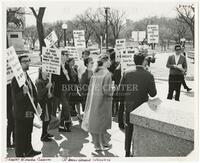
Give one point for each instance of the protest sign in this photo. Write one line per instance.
(152, 33)
(134, 35)
(79, 38)
(127, 59)
(73, 52)
(142, 35)
(15, 65)
(119, 46)
(138, 35)
(51, 39)
(10, 74)
(51, 60)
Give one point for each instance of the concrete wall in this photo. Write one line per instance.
(17, 41)
(149, 142)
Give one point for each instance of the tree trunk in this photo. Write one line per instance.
(40, 34)
(86, 43)
(39, 24)
(192, 30)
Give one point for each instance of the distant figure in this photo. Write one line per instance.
(178, 67)
(135, 87)
(97, 118)
(184, 83)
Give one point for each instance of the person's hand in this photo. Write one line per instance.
(113, 86)
(25, 89)
(49, 85)
(65, 72)
(175, 66)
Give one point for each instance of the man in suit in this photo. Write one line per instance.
(178, 66)
(10, 119)
(24, 112)
(62, 94)
(135, 87)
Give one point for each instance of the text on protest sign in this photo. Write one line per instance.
(73, 52)
(10, 74)
(79, 38)
(119, 46)
(51, 39)
(152, 33)
(51, 60)
(127, 58)
(15, 65)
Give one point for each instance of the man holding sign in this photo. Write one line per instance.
(24, 111)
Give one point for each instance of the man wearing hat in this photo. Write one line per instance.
(177, 68)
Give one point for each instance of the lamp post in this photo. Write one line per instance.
(64, 27)
(106, 11)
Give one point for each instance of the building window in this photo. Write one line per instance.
(14, 36)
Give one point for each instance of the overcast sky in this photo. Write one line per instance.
(134, 10)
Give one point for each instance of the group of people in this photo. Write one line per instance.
(100, 89)
(49, 92)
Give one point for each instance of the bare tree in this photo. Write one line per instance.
(186, 15)
(83, 22)
(97, 22)
(40, 28)
(31, 34)
(116, 20)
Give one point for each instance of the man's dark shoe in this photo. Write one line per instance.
(46, 139)
(189, 89)
(121, 126)
(68, 129)
(32, 153)
(128, 154)
(49, 135)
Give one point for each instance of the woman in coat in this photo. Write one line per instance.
(45, 100)
(85, 80)
(98, 110)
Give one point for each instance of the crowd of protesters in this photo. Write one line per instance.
(100, 90)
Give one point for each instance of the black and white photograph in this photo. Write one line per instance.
(101, 80)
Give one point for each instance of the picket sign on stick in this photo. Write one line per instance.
(15, 65)
(38, 112)
(50, 40)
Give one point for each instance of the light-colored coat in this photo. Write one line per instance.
(98, 110)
